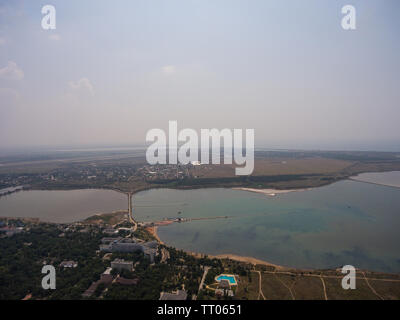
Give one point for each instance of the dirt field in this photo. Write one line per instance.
(297, 285)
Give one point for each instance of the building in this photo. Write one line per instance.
(108, 240)
(127, 282)
(219, 292)
(131, 245)
(110, 231)
(105, 278)
(69, 264)
(121, 264)
(224, 284)
(10, 231)
(174, 295)
(223, 292)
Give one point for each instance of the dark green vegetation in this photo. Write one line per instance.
(23, 256)
(181, 271)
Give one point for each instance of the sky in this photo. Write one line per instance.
(112, 70)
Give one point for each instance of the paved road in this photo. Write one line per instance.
(130, 209)
(203, 278)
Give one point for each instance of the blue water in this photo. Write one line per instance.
(229, 278)
(347, 222)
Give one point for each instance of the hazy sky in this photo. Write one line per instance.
(112, 70)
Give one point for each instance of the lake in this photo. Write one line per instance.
(347, 222)
(391, 179)
(344, 223)
(61, 206)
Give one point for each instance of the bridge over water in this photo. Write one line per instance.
(130, 211)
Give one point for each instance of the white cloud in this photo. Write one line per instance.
(168, 69)
(11, 72)
(55, 37)
(81, 86)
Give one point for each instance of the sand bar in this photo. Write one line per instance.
(271, 192)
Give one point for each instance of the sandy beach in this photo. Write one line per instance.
(153, 232)
(271, 192)
(247, 260)
(237, 258)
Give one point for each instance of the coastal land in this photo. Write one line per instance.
(153, 231)
(86, 275)
(275, 173)
(126, 172)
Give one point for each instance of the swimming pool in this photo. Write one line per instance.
(230, 277)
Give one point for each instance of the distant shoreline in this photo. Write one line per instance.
(271, 192)
(370, 178)
(375, 183)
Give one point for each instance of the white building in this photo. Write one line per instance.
(69, 264)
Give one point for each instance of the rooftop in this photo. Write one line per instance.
(174, 295)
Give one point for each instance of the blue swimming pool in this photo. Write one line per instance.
(230, 278)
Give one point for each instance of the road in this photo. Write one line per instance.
(323, 285)
(326, 276)
(260, 293)
(130, 211)
(203, 278)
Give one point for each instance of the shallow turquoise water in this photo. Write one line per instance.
(344, 223)
(347, 222)
(231, 279)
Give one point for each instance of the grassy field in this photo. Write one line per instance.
(273, 288)
(247, 288)
(274, 167)
(300, 285)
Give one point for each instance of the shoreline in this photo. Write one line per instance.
(359, 178)
(250, 260)
(374, 183)
(153, 231)
(271, 192)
